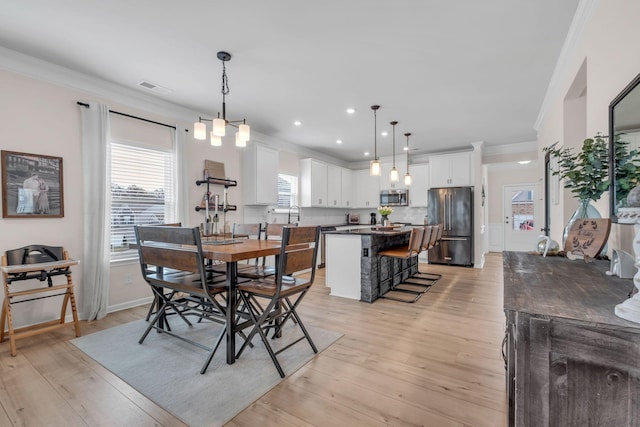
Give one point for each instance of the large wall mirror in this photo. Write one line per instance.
(624, 143)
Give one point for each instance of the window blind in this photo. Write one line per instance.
(143, 182)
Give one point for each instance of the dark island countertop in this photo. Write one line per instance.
(371, 231)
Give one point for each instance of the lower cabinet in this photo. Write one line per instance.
(569, 360)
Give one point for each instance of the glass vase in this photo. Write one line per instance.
(584, 210)
(384, 220)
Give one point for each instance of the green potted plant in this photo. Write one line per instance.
(585, 173)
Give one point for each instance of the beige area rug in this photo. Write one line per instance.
(167, 370)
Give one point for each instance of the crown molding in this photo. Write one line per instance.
(38, 69)
(576, 30)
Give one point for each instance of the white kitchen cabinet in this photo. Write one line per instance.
(313, 183)
(385, 182)
(260, 175)
(419, 185)
(334, 186)
(347, 188)
(366, 189)
(450, 170)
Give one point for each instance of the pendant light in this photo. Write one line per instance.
(220, 123)
(393, 174)
(407, 176)
(374, 166)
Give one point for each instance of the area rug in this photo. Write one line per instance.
(167, 370)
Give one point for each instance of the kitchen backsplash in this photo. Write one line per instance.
(325, 216)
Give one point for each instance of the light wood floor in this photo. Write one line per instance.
(433, 363)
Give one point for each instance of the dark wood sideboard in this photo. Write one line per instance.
(570, 360)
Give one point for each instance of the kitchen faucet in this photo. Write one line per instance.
(289, 214)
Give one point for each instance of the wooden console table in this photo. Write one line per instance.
(570, 360)
(12, 273)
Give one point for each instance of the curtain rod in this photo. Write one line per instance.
(133, 117)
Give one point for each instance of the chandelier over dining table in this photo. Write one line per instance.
(220, 123)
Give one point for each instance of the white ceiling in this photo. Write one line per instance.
(450, 72)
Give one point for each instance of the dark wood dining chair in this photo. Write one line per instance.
(261, 268)
(172, 262)
(403, 254)
(283, 291)
(153, 308)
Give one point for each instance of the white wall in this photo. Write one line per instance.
(609, 43)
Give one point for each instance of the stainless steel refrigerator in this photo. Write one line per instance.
(453, 208)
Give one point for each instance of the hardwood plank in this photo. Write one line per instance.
(434, 362)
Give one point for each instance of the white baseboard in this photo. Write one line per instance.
(129, 304)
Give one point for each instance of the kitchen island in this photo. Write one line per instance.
(352, 261)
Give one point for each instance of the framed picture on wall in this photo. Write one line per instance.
(31, 186)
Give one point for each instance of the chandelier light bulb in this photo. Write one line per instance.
(393, 175)
(407, 179)
(374, 168)
(200, 131)
(239, 142)
(244, 131)
(216, 141)
(219, 126)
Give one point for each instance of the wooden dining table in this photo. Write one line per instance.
(231, 253)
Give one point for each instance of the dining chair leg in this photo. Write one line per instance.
(212, 352)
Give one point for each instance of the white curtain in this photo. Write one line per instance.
(97, 212)
(182, 197)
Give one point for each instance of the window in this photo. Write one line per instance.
(287, 191)
(143, 186)
(522, 207)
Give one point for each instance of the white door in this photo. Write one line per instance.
(522, 220)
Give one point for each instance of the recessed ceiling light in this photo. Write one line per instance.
(351, 110)
(524, 162)
(366, 153)
(385, 133)
(297, 123)
(338, 141)
(405, 148)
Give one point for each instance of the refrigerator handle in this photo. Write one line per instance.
(450, 213)
(444, 226)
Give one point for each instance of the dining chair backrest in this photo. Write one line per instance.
(298, 253)
(253, 231)
(274, 231)
(172, 249)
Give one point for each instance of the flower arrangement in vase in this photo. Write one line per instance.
(385, 211)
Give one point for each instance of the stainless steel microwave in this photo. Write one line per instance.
(394, 198)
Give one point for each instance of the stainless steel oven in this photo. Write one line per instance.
(394, 198)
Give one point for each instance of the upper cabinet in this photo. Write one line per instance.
(367, 189)
(450, 170)
(347, 188)
(334, 186)
(419, 185)
(313, 183)
(324, 185)
(260, 175)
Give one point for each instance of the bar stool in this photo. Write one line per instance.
(425, 278)
(403, 253)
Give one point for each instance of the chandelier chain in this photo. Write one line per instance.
(225, 80)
